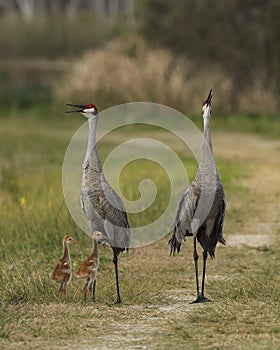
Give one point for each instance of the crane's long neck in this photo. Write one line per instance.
(92, 124)
(94, 253)
(207, 158)
(207, 141)
(91, 147)
(66, 254)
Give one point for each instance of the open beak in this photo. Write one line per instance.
(81, 108)
(209, 98)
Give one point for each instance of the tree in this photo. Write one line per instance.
(238, 35)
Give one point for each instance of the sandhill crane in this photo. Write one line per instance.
(201, 209)
(62, 273)
(101, 204)
(89, 267)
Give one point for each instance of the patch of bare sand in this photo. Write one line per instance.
(262, 202)
(246, 146)
(250, 240)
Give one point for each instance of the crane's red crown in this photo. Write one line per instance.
(90, 105)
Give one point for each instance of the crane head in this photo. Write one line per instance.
(69, 240)
(97, 235)
(206, 105)
(89, 110)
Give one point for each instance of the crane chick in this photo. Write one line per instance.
(89, 267)
(63, 271)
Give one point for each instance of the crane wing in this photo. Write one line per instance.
(103, 207)
(112, 206)
(221, 222)
(112, 211)
(61, 271)
(185, 212)
(91, 262)
(209, 242)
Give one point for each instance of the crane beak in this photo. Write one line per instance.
(77, 106)
(209, 98)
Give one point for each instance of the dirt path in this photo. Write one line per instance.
(263, 159)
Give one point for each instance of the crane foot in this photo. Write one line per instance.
(200, 299)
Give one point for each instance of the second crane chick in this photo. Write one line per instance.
(63, 271)
(89, 267)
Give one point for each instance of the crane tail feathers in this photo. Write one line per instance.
(175, 245)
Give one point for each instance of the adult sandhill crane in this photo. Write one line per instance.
(201, 209)
(89, 267)
(62, 273)
(101, 204)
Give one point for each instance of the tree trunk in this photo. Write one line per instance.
(26, 8)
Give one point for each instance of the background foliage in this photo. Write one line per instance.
(230, 46)
(240, 36)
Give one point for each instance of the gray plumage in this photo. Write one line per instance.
(102, 206)
(201, 209)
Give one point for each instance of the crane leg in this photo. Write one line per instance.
(64, 291)
(200, 296)
(115, 261)
(85, 289)
(195, 257)
(93, 291)
(60, 290)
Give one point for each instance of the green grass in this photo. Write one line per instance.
(243, 281)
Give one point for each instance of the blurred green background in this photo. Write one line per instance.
(117, 51)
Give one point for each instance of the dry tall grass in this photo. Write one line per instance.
(130, 71)
(258, 98)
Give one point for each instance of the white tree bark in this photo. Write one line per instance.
(26, 8)
(72, 8)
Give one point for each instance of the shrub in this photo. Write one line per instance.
(129, 71)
